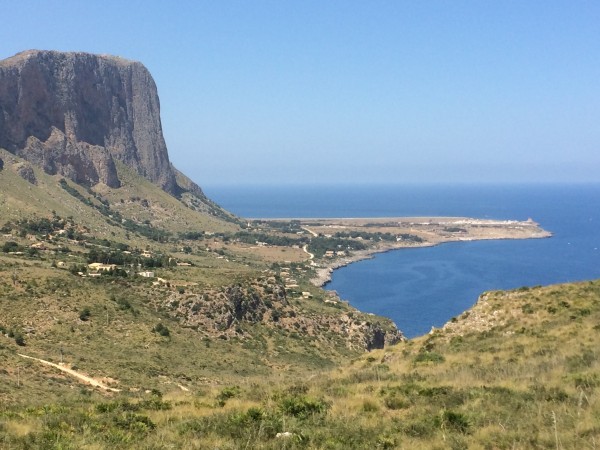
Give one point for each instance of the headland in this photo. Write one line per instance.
(378, 235)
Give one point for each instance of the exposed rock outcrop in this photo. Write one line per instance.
(220, 312)
(25, 171)
(75, 113)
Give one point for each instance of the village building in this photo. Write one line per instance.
(146, 274)
(99, 267)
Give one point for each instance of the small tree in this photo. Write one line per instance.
(85, 314)
(162, 330)
(19, 339)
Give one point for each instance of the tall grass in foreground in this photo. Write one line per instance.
(520, 370)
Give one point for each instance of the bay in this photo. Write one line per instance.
(425, 287)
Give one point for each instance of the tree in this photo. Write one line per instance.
(85, 314)
(10, 246)
(162, 330)
(19, 339)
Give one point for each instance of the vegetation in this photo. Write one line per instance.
(520, 370)
(356, 234)
(271, 239)
(321, 244)
(102, 205)
(226, 344)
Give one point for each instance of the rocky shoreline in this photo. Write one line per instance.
(433, 231)
(323, 274)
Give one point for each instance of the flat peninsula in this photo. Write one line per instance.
(407, 232)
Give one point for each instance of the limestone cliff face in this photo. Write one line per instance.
(75, 113)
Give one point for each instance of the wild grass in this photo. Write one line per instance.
(530, 380)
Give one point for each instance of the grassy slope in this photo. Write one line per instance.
(19, 199)
(520, 370)
(118, 341)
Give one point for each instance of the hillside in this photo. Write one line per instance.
(519, 370)
(137, 313)
(162, 262)
(94, 218)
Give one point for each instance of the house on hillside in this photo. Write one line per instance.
(146, 274)
(99, 267)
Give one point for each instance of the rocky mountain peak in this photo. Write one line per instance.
(75, 113)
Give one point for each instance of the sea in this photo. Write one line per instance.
(421, 288)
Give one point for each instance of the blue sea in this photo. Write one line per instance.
(423, 288)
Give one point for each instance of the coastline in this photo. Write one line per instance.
(502, 230)
(325, 272)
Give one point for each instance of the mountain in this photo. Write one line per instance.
(185, 293)
(76, 114)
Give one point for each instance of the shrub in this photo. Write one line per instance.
(162, 330)
(302, 406)
(429, 357)
(19, 339)
(124, 304)
(135, 423)
(10, 246)
(85, 314)
(395, 402)
(370, 405)
(527, 308)
(454, 421)
(227, 393)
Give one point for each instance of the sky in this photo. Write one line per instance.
(344, 91)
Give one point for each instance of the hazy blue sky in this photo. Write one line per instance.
(352, 91)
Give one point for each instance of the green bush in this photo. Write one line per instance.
(19, 339)
(302, 406)
(85, 314)
(394, 402)
(429, 357)
(454, 421)
(162, 330)
(136, 423)
(227, 393)
(11, 246)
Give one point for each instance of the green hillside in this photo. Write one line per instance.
(131, 318)
(519, 370)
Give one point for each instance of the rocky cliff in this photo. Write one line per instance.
(221, 312)
(74, 114)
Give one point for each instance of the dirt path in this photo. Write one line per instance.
(310, 231)
(311, 256)
(75, 374)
